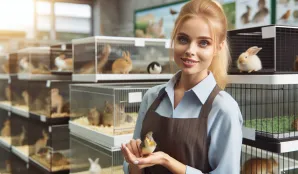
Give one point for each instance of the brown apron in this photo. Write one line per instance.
(184, 139)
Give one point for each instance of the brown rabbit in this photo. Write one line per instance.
(40, 143)
(57, 159)
(8, 93)
(108, 117)
(5, 132)
(94, 117)
(19, 139)
(26, 97)
(295, 124)
(25, 65)
(245, 16)
(122, 65)
(260, 166)
(89, 68)
(57, 100)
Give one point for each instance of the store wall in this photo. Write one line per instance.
(116, 16)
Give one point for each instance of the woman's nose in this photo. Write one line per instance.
(189, 54)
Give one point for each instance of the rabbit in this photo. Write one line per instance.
(94, 166)
(89, 68)
(8, 93)
(260, 166)
(122, 65)
(245, 16)
(26, 97)
(57, 100)
(5, 132)
(25, 65)
(108, 116)
(56, 159)
(262, 13)
(63, 63)
(295, 124)
(42, 142)
(249, 61)
(19, 139)
(94, 117)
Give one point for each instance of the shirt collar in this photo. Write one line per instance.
(202, 90)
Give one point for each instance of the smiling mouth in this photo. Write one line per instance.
(189, 61)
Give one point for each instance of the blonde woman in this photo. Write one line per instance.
(196, 125)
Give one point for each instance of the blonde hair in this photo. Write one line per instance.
(212, 12)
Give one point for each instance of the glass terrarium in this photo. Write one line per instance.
(255, 160)
(49, 146)
(121, 58)
(5, 128)
(5, 93)
(268, 104)
(33, 60)
(18, 165)
(5, 161)
(51, 100)
(61, 58)
(19, 136)
(106, 114)
(89, 158)
(19, 96)
(278, 54)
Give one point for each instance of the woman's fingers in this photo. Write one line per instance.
(129, 157)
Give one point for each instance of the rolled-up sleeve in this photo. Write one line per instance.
(226, 141)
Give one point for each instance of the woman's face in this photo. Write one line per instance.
(194, 46)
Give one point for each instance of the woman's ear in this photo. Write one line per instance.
(221, 45)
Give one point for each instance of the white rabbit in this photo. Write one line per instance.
(249, 61)
(63, 63)
(94, 166)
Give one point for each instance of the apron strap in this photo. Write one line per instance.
(157, 101)
(206, 108)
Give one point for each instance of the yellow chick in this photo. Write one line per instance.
(148, 145)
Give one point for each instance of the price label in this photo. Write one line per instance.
(134, 97)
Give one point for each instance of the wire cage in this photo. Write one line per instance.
(268, 104)
(255, 160)
(278, 55)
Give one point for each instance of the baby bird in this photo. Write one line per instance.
(148, 145)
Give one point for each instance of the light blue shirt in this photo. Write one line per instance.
(224, 121)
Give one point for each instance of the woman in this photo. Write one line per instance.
(196, 125)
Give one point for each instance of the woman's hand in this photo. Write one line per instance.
(135, 158)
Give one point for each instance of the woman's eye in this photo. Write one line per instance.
(204, 43)
(182, 39)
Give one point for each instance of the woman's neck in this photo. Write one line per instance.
(188, 81)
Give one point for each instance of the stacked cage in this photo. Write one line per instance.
(101, 122)
(118, 58)
(268, 98)
(278, 54)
